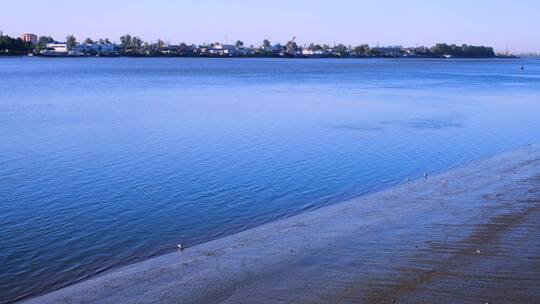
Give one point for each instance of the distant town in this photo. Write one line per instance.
(132, 46)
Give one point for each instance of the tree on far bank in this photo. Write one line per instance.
(136, 43)
(292, 46)
(89, 41)
(14, 45)
(341, 49)
(131, 43)
(443, 49)
(315, 47)
(362, 50)
(125, 41)
(239, 44)
(42, 42)
(71, 41)
(160, 44)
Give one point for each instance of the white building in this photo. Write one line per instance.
(223, 49)
(312, 53)
(60, 50)
(55, 50)
(57, 47)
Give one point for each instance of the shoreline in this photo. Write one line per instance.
(258, 57)
(465, 235)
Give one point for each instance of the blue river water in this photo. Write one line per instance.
(110, 161)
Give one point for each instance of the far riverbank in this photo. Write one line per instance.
(19, 54)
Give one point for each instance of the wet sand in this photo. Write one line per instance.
(470, 235)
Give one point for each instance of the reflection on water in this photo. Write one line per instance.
(105, 162)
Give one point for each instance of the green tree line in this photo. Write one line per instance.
(14, 45)
(441, 49)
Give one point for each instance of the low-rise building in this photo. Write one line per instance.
(307, 52)
(179, 49)
(201, 50)
(60, 50)
(187, 50)
(246, 51)
(97, 48)
(223, 49)
(57, 47)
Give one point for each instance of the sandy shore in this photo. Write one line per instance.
(471, 235)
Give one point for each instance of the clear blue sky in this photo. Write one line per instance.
(411, 22)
